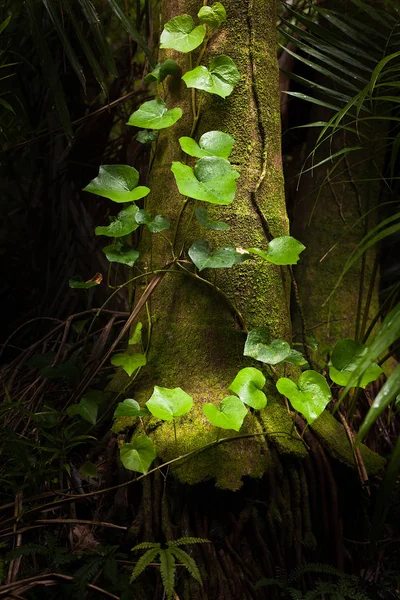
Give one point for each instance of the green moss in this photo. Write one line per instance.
(123, 423)
(334, 438)
(276, 419)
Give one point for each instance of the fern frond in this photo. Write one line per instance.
(295, 594)
(319, 568)
(267, 582)
(27, 550)
(167, 570)
(143, 561)
(189, 563)
(187, 540)
(145, 546)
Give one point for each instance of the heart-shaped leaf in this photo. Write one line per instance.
(159, 223)
(248, 384)
(283, 250)
(296, 358)
(138, 455)
(136, 337)
(129, 408)
(121, 253)
(258, 346)
(230, 415)
(118, 183)
(344, 361)
(154, 114)
(144, 136)
(309, 397)
(224, 258)
(213, 15)
(213, 180)
(212, 143)
(87, 409)
(77, 283)
(162, 70)
(219, 78)
(204, 219)
(168, 403)
(181, 34)
(129, 362)
(124, 224)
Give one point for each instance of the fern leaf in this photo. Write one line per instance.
(267, 582)
(145, 546)
(188, 561)
(143, 561)
(295, 594)
(167, 570)
(187, 540)
(27, 550)
(318, 568)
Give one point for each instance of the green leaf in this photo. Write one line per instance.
(248, 384)
(144, 560)
(212, 143)
(87, 409)
(144, 136)
(167, 570)
(283, 250)
(136, 337)
(190, 564)
(219, 78)
(77, 283)
(386, 395)
(224, 258)
(258, 346)
(213, 15)
(67, 370)
(88, 469)
(162, 70)
(154, 114)
(138, 455)
(124, 224)
(166, 404)
(309, 397)
(129, 362)
(129, 408)
(121, 253)
(203, 218)
(230, 415)
(181, 34)
(118, 183)
(159, 223)
(213, 180)
(296, 358)
(345, 357)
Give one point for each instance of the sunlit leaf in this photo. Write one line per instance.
(124, 223)
(129, 408)
(219, 78)
(230, 415)
(213, 15)
(212, 180)
(309, 396)
(118, 183)
(345, 357)
(168, 403)
(162, 70)
(248, 384)
(121, 253)
(203, 258)
(129, 362)
(180, 33)
(259, 346)
(154, 114)
(283, 250)
(159, 223)
(138, 455)
(136, 337)
(212, 143)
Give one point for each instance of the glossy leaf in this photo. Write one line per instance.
(248, 384)
(159, 223)
(121, 253)
(124, 223)
(309, 396)
(138, 455)
(230, 415)
(388, 393)
(213, 180)
(129, 362)
(167, 404)
(162, 70)
(154, 114)
(87, 409)
(219, 78)
(136, 337)
(283, 250)
(129, 408)
(181, 34)
(213, 15)
(118, 183)
(212, 143)
(345, 357)
(258, 346)
(296, 358)
(146, 137)
(77, 283)
(203, 218)
(224, 258)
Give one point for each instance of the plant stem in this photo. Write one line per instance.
(176, 440)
